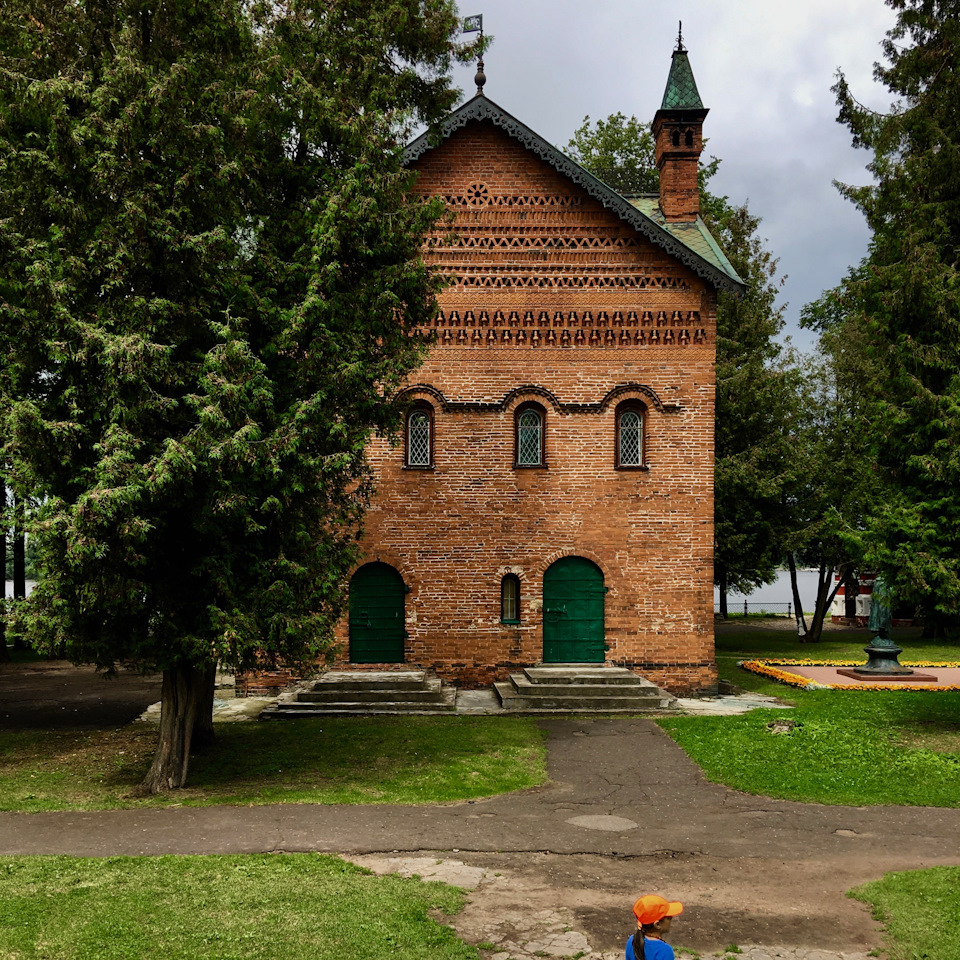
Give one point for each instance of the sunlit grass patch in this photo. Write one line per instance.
(292, 906)
(842, 748)
(919, 909)
(899, 747)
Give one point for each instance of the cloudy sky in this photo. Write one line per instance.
(764, 68)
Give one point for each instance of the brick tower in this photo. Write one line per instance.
(678, 136)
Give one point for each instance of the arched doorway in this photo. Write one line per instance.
(376, 614)
(573, 594)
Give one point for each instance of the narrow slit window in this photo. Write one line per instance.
(510, 599)
(630, 439)
(419, 439)
(630, 436)
(530, 439)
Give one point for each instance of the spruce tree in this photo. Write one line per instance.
(211, 276)
(907, 300)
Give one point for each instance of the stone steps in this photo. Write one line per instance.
(346, 693)
(580, 688)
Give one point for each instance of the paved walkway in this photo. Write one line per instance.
(625, 812)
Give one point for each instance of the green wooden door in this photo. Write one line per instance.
(573, 595)
(376, 615)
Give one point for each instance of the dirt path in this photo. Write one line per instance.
(54, 694)
(542, 905)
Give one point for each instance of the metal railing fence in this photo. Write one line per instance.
(745, 609)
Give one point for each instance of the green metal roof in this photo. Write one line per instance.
(694, 236)
(681, 92)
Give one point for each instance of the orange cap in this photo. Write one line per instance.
(651, 908)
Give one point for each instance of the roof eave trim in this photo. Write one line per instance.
(482, 108)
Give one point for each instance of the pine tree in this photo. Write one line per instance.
(211, 274)
(907, 299)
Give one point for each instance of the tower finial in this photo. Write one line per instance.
(474, 24)
(680, 47)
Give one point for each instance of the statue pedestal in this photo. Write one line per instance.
(910, 677)
(882, 654)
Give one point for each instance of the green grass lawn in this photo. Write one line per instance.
(920, 910)
(736, 642)
(282, 906)
(329, 760)
(856, 747)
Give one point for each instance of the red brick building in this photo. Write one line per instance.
(552, 499)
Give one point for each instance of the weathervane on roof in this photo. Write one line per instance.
(680, 47)
(473, 25)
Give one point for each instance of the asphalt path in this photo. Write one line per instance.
(626, 770)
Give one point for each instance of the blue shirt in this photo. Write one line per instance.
(655, 949)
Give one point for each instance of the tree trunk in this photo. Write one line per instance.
(723, 592)
(183, 697)
(19, 565)
(850, 591)
(4, 652)
(825, 597)
(203, 733)
(797, 605)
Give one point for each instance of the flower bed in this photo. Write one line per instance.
(774, 668)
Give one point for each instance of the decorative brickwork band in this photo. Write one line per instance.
(480, 108)
(506, 278)
(573, 328)
(534, 390)
(533, 238)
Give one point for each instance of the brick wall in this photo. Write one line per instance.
(678, 138)
(556, 301)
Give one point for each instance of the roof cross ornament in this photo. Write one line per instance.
(474, 24)
(680, 47)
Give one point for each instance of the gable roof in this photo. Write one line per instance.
(691, 244)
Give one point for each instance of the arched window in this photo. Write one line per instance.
(419, 445)
(688, 138)
(676, 138)
(510, 599)
(630, 435)
(529, 436)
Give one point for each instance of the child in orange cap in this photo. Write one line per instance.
(653, 915)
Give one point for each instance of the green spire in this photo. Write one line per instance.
(681, 92)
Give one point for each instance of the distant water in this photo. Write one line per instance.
(778, 592)
(30, 584)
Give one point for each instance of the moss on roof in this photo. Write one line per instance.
(695, 236)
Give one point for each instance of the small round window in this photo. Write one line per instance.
(478, 195)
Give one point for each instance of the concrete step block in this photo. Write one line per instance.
(357, 710)
(572, 673)
(641, 690)
(431, 698)
(519, 694)
(372, 680)
(429, 690)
